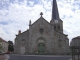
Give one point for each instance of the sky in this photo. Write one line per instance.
(16, 14)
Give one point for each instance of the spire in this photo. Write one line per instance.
(55, 14)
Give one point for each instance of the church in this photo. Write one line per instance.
(43, 37)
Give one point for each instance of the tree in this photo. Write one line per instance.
(10, 46)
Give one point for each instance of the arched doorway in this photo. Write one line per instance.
(41, 48)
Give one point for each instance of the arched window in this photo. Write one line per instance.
(23, 42)
(54, 27)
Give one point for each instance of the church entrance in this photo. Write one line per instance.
(41, 48)
(22, 50)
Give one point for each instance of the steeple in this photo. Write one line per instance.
(55, 14)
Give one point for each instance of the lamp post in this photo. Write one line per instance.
(75, 51)
(78, 52)
(75, 47)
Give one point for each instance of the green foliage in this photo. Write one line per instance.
(10, 46)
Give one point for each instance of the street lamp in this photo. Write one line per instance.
(75, 50)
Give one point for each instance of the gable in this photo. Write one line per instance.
(41, 21)
(39, 25)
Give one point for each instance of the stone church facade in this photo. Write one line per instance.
(43, 37)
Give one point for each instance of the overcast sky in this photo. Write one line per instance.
(15, 15)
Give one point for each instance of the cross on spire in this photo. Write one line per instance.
(41, 14)
(55, 14)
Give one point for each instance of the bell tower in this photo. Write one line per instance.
(55, 19)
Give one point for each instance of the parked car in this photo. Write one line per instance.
(8, 52)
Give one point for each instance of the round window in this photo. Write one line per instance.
(41, 30)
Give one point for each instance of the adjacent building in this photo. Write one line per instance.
(75, 45)
(43, 37)
(3, 45)
(75, 41)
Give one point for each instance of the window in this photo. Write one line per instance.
(41, 30)
(59, 27)
(23, 41)
(54, 27)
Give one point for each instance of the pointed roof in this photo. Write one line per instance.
(2, 40)
(41, 18)
(55, 14)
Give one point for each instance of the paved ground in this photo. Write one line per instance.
(2, 57)
(75, 59)
(38, 57)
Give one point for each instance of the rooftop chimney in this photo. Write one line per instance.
(19, 32)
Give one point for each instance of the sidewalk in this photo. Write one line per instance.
(2, 57)
(75, 59)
